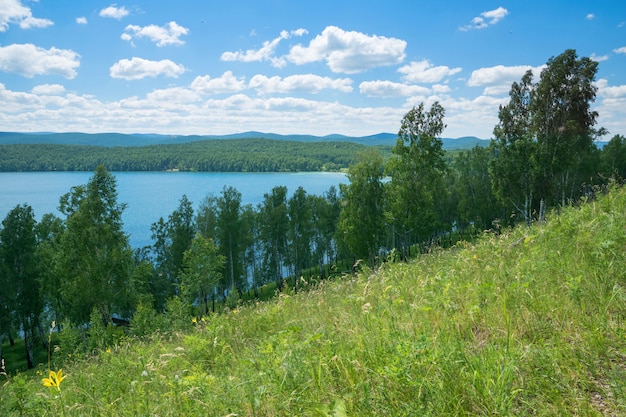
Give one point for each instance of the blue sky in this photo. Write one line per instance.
(323, 67)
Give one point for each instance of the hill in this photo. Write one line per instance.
(529, 322)
(126, 140)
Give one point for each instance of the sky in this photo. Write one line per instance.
(291, 67)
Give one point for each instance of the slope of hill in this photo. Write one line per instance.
(117, 139)
(530, 322)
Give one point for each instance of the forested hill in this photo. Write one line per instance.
(236, 155)
(118, 139)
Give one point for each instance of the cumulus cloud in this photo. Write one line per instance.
(500, 77)
(138, 68)
(425, 72)
(81, 20)
(621, 50)
(114, 12)
(310, 83)
(162, 35)
(391, 89)
(590, 16)
(605, 90)
(13, 12)
(266, 52)
(227, 83)
(598, 58)
(29, 60)
(348, 51)
(48, 89)
(485, 19)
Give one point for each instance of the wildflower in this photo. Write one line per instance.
(54, 380)
(475, 257)
(194, 320)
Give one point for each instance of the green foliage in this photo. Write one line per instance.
(20, 302)
(416, 167)
(202, 271)
(362, 212)
(530, 322)
(236, 155)
(545, 154)
(94, 260)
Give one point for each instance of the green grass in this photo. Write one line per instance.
(530, 322)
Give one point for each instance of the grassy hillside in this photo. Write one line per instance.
(530, 322)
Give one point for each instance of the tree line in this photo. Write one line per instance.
(80, 268)
(233, 155)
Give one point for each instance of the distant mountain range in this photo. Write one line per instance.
(141, 139)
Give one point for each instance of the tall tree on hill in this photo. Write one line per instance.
(49, 231)
(325, 215)
(18, 252)
(232, 237)
(416, 168)
(362, 219)
(300, 231)
(202, 270)
(273, 227)
(544, 138)
(515, 170)
(476, 202)
(172, 238)
(95, 258)
(563, 123)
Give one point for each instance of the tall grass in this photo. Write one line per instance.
(530, 322)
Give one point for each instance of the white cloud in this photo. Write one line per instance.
(500, 75)
(425, 72)
(114, 12)
(604, 90)
(227, 83)
(441, 89)
(138, 68)
(349, 52)
(29, 60)
(598, 58)
(390, 89)
(485, 19)
(48, 89)
(81, 20)
(590, 16)
(161, 35)
(13, 12)
(310, 83)
(266, 52)
(621, 50)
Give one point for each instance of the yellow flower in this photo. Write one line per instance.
(54, 380)
(194, 320)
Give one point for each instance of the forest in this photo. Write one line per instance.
(232, 155)
(79, 269)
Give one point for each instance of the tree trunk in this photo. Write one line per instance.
(28, 345)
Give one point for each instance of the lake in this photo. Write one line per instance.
(151, 195)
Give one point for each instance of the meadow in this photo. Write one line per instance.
(526, 322)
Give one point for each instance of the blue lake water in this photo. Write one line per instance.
(151, 195)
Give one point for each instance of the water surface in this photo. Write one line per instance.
(151, 195)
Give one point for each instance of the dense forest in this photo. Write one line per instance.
(80, 268)
(233, 155)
